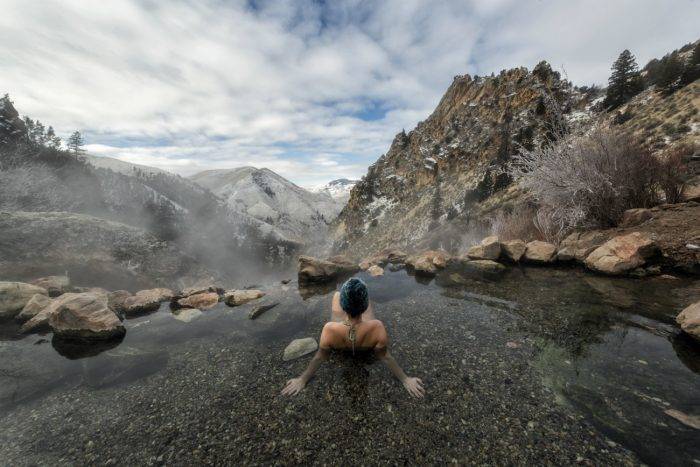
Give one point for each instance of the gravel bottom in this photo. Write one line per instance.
(207, 392)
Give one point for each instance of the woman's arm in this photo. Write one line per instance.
(414, 386)
(295, 385)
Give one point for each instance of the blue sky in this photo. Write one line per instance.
(310, 89)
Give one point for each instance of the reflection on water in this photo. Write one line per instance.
(607, 348)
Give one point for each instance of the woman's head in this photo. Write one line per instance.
(354, 298)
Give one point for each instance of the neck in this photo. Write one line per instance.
(355, 320)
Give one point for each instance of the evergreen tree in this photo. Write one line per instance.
(75, 143)
(669, 73)
(52, 141)
(624, 82)
(691, 71)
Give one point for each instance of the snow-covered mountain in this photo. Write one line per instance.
(338, 189)
(116, 165)
(296, 213)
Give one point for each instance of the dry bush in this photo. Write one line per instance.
(672, 171)
(516, 225)
(587, 180)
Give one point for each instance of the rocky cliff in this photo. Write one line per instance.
(442, 171)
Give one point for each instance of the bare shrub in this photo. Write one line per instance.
(516, 225)
(672, 171)
(587, 180)
(28, 188)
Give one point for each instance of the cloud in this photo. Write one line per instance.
(312, 90)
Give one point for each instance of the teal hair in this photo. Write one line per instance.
(354, 297)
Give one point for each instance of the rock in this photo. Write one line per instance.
(239, 297)
(55, 285)
(201, 301)
(621, 254)
(513, 250)
(376, 270)
(145, 301)
(188, 291)
(365, 264)
(116, 299)
(98, 290)
(540, 252)
(578, 245)
(633, 217)
(15, 295)
(428, 262)
(384, 257)
(489, 248)
(299, 347)
(187, 314)
(285, 281)
(84, 316)
(260, 309)
(484, 265)
(33, 307)
(313, 270)
(689, 320)
(692, 421)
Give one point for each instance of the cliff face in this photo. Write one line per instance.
(449, 165)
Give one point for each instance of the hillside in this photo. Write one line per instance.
(439, 184)
(289, 210)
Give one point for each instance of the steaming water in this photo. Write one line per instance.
(538, 365)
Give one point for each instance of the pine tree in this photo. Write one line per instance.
(624, 82)
(691, 71)
(75, 143)
(52, 141)
(669, 73)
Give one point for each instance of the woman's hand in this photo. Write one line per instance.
(414, 386)
(293, 387)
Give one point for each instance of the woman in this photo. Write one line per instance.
(354, 327)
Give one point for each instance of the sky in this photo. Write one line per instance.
(314, 90)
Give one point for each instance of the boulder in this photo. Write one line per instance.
(313, 270)
(365, 264)
(33, 307)
(622, 254)
(146, 300)
(84, 316)
(578, 245)
(299, 347)
(201, 301)
(187, 291)
(689, 320)
(15, 295)
(384, 257)
(633, 217)
(376, 270)
(55, 285)
(540, 252)
(428, 262)
(483, 265)
(513, 250)
(116, 299)
(240, 297)
(260, 309)
(489, 248)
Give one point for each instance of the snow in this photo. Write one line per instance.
(336, 189)
(116, 165)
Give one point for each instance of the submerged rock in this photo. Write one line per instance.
(240, 297)
(483, 265)
(201, 301)
(622, 254)
(489, 248)
(513, 250)
(83, 316)
(187, 314)
(376, 270)
(33, 307)
(428, 262)
(299, 347)
(689, 320)
(314, 270)
(55, 285)
(15, 295)
(145, 301)
(540, 252)
(260, 309)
